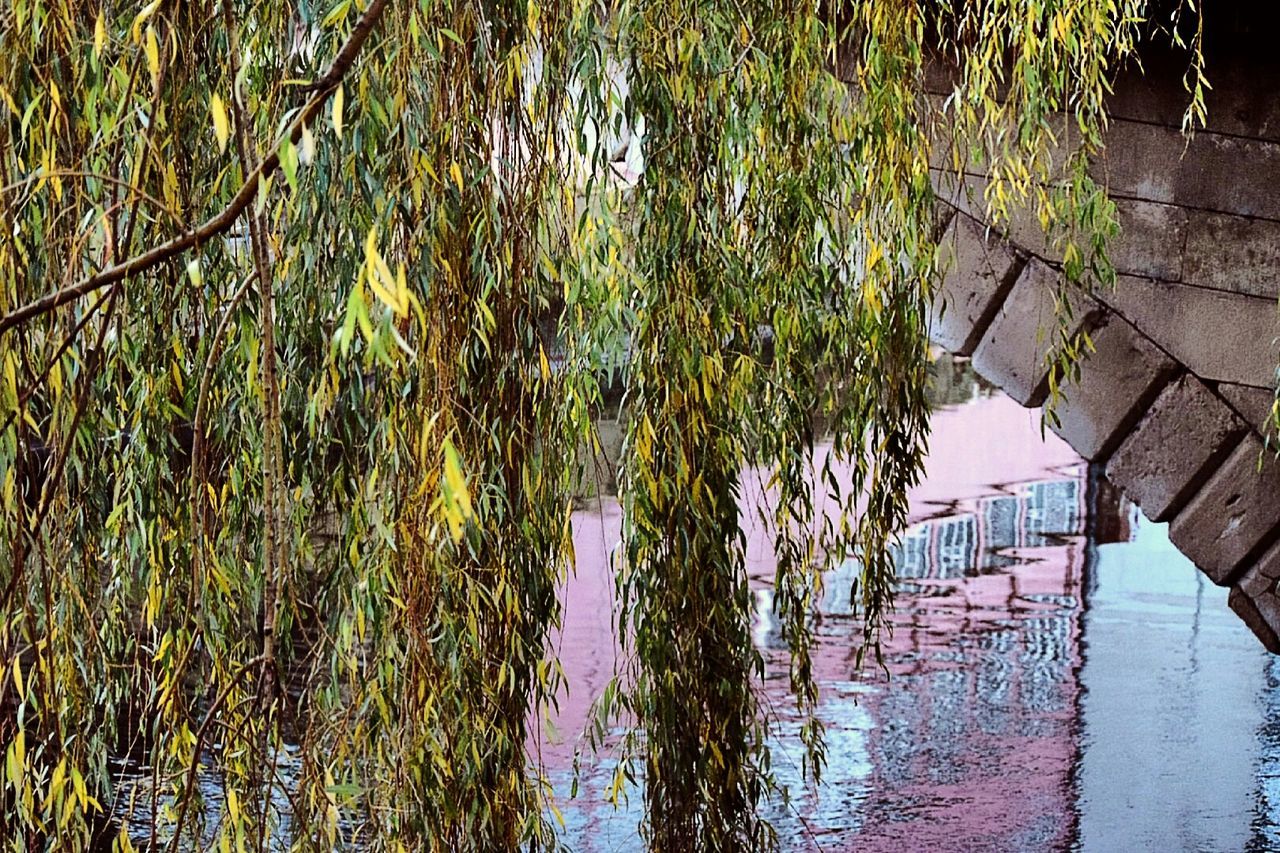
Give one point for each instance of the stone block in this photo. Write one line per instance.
(1241, 102)
(1268, 565)
(1255, 600)
(1210, 171)
(1023, 332)
(943, 215)
(1259, 613)
(976, 277)
(1233, 516)
(1117, 382)
(1252, 404)
(1151, 240)
(1140, 161)
(1230, 174)
(959, 192)
(1152, 94)
(1223, 337)
(1175, 448)
(1233, 253)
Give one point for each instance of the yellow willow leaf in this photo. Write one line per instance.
(9, 490)
(873, 256)
(456, 497)
(221, 130)
(147, 12)
(381, 281)
(402, 291)
(544, 364)
(424, 434)
(338, 99)
(99, 35)
(264, 190)
(59, 777)
(871, 295)
(456, 173)
(18, 756)
(170, 185)
(153, 53)
(423, 162)
(337, 14)
(77, 782)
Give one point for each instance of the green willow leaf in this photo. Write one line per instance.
(324, 579)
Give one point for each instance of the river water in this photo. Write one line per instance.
(1059, 677)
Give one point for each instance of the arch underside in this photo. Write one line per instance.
(1175, 398)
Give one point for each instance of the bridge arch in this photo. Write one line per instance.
(1174, 400)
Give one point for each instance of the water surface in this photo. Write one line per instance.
(1058, 677)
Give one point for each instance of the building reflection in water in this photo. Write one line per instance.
(1057, 677)
(970, 741)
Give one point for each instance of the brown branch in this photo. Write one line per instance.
(329, 80)
(109, 179)
(272, 564)
(197, 475)
(223, 220)
(194, 768)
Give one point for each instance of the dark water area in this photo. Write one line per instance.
(1059, 677)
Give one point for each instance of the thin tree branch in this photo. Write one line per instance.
(109, 179)
(223, 220)
(194, 768)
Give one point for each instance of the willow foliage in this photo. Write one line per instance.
(304, 310)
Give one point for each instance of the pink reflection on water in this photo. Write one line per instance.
(586, 643)
(970, 744)
(975, 736)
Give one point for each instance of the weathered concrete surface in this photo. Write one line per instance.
(1175, 448)
(1234, 515)
(1252, 404)
(1232, 253)
(1254, 598)
(1242, 101)
(1150, 244)
(1118, 383)
(978, 273)
(1158, 163)
(1158, 240)
(1023, 332)
(1152, 239)
(1222, 337)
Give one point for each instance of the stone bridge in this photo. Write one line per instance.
(1175, 399)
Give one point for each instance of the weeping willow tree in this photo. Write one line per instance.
(304, 310)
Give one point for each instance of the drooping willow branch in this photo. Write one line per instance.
(272, 550)
(416, 456)
(229, 215)
(193, 769)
